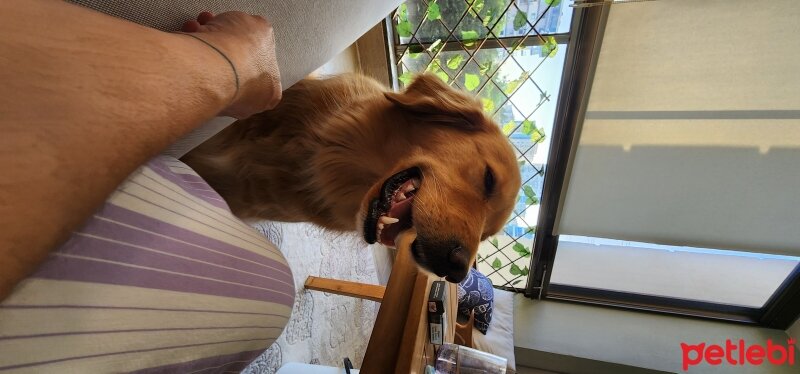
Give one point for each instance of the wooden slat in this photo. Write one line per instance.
(386, 339)
(340, 287)
(415, 333)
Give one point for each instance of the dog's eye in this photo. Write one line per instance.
(488, 182)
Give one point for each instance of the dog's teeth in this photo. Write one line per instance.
(401, 196)
(415, 182)
(380, 225)
(385, 220)
(409, 188)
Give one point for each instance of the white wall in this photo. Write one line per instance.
(641, 340)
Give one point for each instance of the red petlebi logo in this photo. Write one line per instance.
(738, 354)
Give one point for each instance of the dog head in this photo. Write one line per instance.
(455, 184)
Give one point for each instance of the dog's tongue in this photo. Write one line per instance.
(401, 211)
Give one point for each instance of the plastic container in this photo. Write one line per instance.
(456, 359)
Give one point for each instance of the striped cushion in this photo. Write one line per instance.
(162, 279)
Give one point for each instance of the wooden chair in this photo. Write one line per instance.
(399, 340)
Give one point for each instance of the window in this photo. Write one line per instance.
(533, 65)
(511, 55)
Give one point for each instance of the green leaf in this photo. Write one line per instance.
(402, 12)
(524, 271)
(488, 105)
(489, 16)
(477, 5)
(485, 68)
(471, 81)
(521, 250)
(509, 127)
(433, 11)
(514, 283)
(512, 86)
(494, 242)
(520, 20)
(528, 127)
(404, 28)
(496, 264)
(552, 2)
(443, 76)
(537, 136)
(469, 37)
(406, 78)
(530, 195)
(528, 191)
(550, 47)
(455, 61)
(515, 270)
(435, 66)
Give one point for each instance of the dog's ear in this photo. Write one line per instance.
(432, 100)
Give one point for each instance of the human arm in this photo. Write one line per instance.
(86, 98)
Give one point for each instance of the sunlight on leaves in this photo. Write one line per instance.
(537, 136)
(434, 67)
(550, 48)
(485, 68)
(433, 11)
(512, 86)
(469, 37)
(471, 81)
(509, 127)
(488, 105)
(477, 5)
(455, 61)
(443, 76)
(528, 126)
(405, 78)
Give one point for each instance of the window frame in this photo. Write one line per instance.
(588, 24)
(583, 46)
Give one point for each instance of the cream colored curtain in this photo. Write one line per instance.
(692, 130)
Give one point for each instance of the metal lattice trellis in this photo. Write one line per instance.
(509, 53)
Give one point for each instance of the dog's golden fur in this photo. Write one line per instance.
(325, 151)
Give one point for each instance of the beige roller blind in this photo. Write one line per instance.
(692, 130)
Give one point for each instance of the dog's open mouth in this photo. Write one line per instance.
(390, 213)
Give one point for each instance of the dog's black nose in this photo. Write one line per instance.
(449, 258)
(458, 260)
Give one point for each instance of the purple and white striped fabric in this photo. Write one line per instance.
(162, 279)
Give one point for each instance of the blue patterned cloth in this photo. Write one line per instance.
(475, 292)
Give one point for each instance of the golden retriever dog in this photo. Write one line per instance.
(346, 154)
